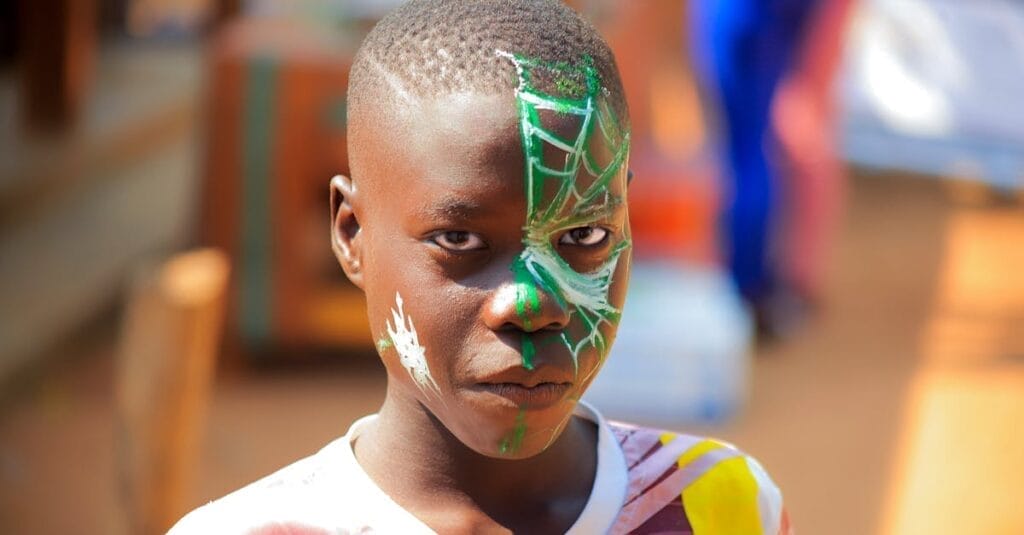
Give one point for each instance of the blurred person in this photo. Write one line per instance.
(486, 221)
(804, 120)
(743, 49)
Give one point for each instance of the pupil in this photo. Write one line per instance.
(583, 233)
(457, 237)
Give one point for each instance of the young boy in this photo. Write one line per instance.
(486, 221)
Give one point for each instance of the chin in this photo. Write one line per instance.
(507, 432)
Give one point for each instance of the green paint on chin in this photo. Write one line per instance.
(384, 344)
(514, 440)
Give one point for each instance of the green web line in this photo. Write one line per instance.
(511, 443)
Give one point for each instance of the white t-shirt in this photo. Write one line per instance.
(647, 481)
(328, 492)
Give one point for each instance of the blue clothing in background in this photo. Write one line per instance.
(743, 49)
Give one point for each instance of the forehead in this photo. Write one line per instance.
(468, 139)
(460, 148)
(456, 154)
(465, 132)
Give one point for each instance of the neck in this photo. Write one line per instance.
(423, 467)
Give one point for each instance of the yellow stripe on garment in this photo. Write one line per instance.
(697, 450)
(724, 500)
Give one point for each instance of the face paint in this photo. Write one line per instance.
(510, 444)
(411, 354)
(573, 204)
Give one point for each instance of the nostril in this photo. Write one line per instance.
(525, 307)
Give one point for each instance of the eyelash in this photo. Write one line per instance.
(443, 236)
(569, 239)
(477, 243)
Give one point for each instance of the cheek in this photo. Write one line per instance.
(620, 280)
(620, 284)
(390, 269)
(437, 319)
(448, 328)
(593, 356)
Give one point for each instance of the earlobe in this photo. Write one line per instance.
(345, 232)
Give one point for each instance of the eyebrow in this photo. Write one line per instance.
(453, 209)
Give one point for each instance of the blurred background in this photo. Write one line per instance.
(829, 215)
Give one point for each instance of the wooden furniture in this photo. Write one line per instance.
(168, 347)
(58, 53)
(276, 136)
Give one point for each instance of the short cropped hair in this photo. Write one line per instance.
(427, 48)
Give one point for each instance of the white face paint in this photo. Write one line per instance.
(411, 354)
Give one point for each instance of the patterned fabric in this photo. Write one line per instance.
(691, 485)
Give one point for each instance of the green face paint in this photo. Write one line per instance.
(511, 443)
(527, 299)
(528, 352)
(574, 203)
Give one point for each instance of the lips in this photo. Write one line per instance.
(528, 389)
(539, 396)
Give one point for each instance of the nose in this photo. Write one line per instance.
(522, 303)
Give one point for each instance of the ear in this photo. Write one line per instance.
(345, 235)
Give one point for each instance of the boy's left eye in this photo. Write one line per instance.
(590, 236)
(458, 240)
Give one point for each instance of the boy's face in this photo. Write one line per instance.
(494, 273)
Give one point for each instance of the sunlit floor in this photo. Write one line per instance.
(895, 412)
(960, 454)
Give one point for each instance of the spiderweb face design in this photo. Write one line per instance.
(564, 192)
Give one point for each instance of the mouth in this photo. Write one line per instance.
(535, 397)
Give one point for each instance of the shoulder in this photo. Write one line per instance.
(706, 485)
(291, 500)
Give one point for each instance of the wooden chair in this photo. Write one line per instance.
(169, 339)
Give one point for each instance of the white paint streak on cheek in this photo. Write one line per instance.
(411, 354)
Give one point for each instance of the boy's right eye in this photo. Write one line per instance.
(458, 240)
